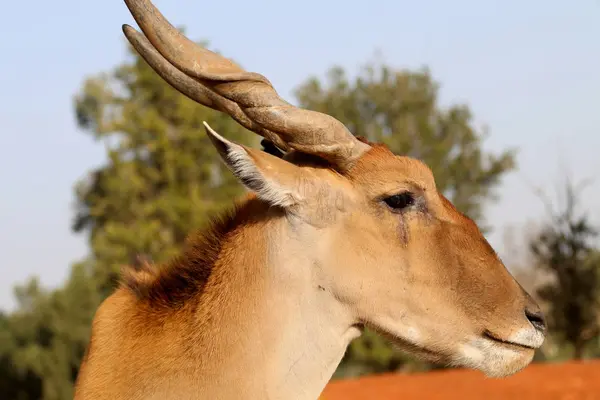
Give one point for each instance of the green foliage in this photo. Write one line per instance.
(163, 176)
(46, 338)
(565, 247)
(161, 181)
(400, 109)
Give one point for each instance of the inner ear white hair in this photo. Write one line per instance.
(257, 171)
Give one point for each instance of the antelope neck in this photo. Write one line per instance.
(284, 334)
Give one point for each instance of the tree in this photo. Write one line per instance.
(400, 108)
(565, 247)
(14, 383)
(163, 178)
(162, 181)
(46, 337)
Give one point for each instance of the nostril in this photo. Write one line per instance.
(537, 319)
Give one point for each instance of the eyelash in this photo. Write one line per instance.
(400, 201)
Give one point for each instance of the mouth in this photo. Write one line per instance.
(490, 336)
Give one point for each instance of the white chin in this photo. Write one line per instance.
(494, 359)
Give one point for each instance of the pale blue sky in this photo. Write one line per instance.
(530, 70)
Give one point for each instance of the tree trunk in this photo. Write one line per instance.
(578, 353)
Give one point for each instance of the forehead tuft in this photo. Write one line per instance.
(381, 165)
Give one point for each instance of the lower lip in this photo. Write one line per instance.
(489, 336)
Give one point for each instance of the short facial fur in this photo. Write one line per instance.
(422, 274)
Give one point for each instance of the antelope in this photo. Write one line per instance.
(335, 234)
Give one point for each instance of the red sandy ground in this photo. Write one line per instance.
(565, 381)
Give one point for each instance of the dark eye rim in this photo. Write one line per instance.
(400, 201)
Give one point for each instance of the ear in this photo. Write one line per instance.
(273, 179)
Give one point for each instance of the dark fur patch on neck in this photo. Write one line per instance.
(184, 277)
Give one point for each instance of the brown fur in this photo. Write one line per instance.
(191, 319)
(170, 286)
(192, 309)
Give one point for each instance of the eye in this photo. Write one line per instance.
(400, 201)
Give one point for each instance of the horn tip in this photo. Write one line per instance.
(131, 33)
(128, 29)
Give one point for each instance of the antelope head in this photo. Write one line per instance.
(380, 240)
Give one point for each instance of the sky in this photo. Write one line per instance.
(530, 71)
